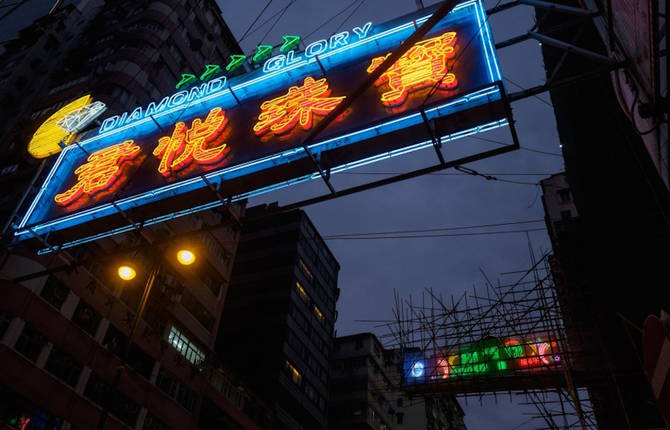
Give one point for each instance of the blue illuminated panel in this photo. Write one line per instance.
(369, 131)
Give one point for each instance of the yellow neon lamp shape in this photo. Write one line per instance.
(47, 139)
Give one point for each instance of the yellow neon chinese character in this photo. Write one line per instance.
(298, 105)
(101, 171)
(200, 143)
(422, 66)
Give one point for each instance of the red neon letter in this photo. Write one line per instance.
(99, 172)
(422, 66)
(298, 105)
(201, 143)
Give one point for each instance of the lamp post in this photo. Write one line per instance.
(127, 272)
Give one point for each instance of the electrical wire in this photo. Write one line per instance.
(283, 11)
(426, 236)
(329, 20)
(428, 230)
(255, 20)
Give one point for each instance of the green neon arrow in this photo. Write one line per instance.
(210, 71)
(236, 61)
(186, 78)
(290, 42)
(262, 52)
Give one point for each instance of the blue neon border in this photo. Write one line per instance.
(490, 93)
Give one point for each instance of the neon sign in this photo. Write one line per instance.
(101, 170)
(423, 66)
(202, 143)
(245, 134)
(489, 357)
(299, 105)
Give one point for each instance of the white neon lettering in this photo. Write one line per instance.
(216, 84)
(316, 48)
(153, 109)
(177, 98)
(136, 115)
(363, 32)
(197, 92)
(339, 39)
(290, 60)
(109, 123)
(274, 63)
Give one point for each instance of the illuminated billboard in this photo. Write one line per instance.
(486, 358)
(245, 135)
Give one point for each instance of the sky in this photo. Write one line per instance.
(372, 269)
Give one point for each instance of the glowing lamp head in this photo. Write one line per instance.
(186, 257)
(417, 369)
(126, 272)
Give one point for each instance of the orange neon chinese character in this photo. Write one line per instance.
(422, 66)
(101, 170)
(298, 105)
(201, 143)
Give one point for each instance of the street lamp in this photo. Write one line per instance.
(185, 257)
(127, 272)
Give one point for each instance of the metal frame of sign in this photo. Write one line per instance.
(482, 108)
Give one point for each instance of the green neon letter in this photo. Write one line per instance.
(186, 78)
(210, 71)
(236, 61)
(290, 42)
(262, 52)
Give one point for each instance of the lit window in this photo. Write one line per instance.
(318, 313)
(295, 374)
(301, 291)
(305, 270)
(185, 347)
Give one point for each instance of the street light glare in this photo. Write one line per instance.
(185, 257)
(126, 273)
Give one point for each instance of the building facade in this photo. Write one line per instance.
(64, 334)
(366, 391)
(280, 314)
(124, 53)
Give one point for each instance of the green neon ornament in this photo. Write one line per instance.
(210, 71)
(186, 78)
(262, 52)
(236, 61)
(290, 42)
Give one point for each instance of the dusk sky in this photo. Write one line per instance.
(372, 269)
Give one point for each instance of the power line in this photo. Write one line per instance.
(255, 20)
(436, 235)
(469, 227)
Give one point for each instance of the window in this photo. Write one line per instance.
(5, 319)
(564, 195)
(122, 407)
(318, 313)
(86, 318)
(30, 343)
(175, 389)
(195, 308)
(301, 292)
(305, 270)
(63, 366)
(400, 417)
(185, 347)
(400, 402)
(296, 376)
(55, 292)
(153, 423)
